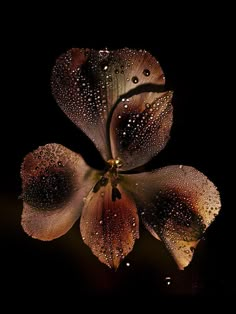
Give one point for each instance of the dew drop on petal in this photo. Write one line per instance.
(105, 67)
(135, 79)
(146, 72)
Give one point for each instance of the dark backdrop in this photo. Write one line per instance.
(195, 62)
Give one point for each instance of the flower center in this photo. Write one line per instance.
(114, 164)
(111, 175)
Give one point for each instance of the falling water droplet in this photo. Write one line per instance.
(168, 280)
(135, 79)
(146, 72)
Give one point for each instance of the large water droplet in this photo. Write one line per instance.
(135, 79)
(104, 53)
(146, 72)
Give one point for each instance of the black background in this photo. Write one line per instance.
(194, 55)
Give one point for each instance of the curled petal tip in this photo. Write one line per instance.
(178, 203)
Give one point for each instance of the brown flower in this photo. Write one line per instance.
(118, 99)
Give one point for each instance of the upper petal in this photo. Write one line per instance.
(109, 227)
(54, 180)
(87, 83)
(140, 128)
(177, 204)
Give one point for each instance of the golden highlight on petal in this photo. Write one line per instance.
(54, 180)
(109, 227)
(177, 204)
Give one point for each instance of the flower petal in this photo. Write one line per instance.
(54, 180)
(87, 83)
(177, 204)
(109, 227)
(140, 128)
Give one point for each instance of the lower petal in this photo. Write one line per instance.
(177, 204)
(55, 180)
(109, 226)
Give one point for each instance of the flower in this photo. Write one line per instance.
(118, 99)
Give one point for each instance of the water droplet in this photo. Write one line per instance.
(180, 166)
(127, 264)
(119, 117)
(146, 72)
(135, 79)
(116, 71)
(147, 106)
(105, 67)
(134, 224)
(104, 53)
(101, 222)
(168, 280)
(124, 133)
(125, 106)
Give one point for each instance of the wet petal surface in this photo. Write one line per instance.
(87, 83)
(109, 227)
(140, 128)
(54, 180)
(176, 204)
